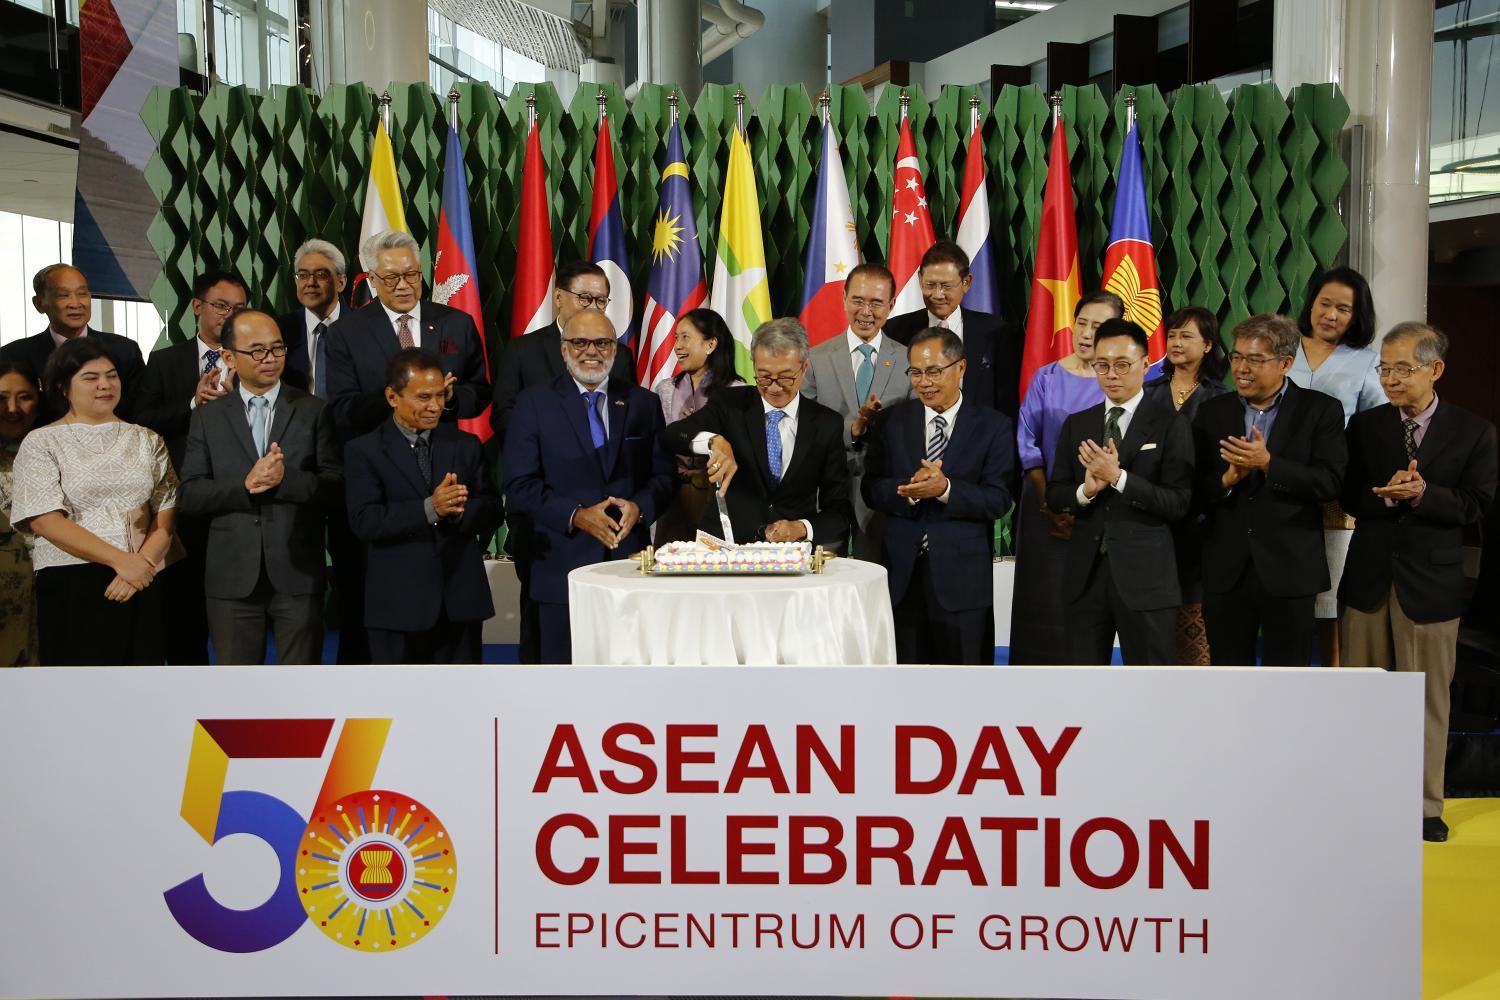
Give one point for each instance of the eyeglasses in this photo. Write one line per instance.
(943, 286)
(222, 308)
(930, 374)
(321, 275)
(1252, 360)
(582, 345)
(276, 350)
(589, 299)
(1120, 367)
(390, 281)
(1400, 372)
(874, 305)
(782, 381)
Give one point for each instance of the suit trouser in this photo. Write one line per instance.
(1386, 637)
(444, 642)
(1038, 632)
(556, 635)
(238, 626)
(348, 555)
(1095, 617)
(181, 583)
(926, 632)
(1235, 617)
(520, 539)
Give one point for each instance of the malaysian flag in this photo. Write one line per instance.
(675, 286)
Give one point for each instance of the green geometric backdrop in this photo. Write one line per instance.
(1243, 193)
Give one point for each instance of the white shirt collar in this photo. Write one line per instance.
(416, 320)
(270, 394)
(203, 350)
(950, 415)
(312, 321)
(853, 340)
(1130, 405)
(789, 409)
(955, 321)
(601, 387)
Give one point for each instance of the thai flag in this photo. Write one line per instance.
(974, 230)
(607, 238)
(832, 248)
(453, 281)
(531, 302)
(675, 286)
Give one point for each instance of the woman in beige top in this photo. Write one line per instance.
(98, 494)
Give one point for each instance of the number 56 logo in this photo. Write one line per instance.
(373, 870)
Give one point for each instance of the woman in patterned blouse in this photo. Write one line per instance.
(98, 494)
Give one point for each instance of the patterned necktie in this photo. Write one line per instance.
(864, 376)
(596, 422)
(1411, 438)
(423, 449)
(259, 406)
(939, 440)
(210, 360)
(1112, 426)
(403, 333)
(320, 355)
(773, 441)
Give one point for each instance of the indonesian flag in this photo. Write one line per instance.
(531, 303)
(607, 239)
(832, 247)
(453, 281)
(1055, 283)
(911, 225)
(1130, 259)
(675, 285)
(974, 230)
(383, 212)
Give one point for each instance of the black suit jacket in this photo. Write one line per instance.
(552, 468)
(1417, 547)
(281, 528)
(363, 341)
(36, 349)
(168, 386)
(814, 486)
(293, 328)
(536, 359)
(978, 462)
(1136, 525)
(992, 347)
(1272, 519)
(417, 570)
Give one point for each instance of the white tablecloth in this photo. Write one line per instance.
(841, 616)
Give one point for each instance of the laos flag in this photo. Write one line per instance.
(1130, 259)
(453, 280)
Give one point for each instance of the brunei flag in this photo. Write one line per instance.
(383, 211)
(740, 293)
(675, 286)
(1055, 283)
(1130, 260)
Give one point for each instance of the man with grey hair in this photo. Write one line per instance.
(364, 340)
(794, 484)
(1421, 470)
(1268, 458)
(584, 462)
(320, 276)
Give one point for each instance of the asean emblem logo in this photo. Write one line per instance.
(375, 871)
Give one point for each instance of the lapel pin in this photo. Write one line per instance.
(888, 362)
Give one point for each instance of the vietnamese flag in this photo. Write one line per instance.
(453, 281)
(1130, 259)
(1055, 283)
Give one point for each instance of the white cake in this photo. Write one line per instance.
(755, 557)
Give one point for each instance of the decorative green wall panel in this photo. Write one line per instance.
(1244, 193)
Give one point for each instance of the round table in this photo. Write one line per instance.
(840, 616)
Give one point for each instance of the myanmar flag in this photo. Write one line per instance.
(740, 292)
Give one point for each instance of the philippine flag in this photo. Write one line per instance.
(453, 280)
(832, 248)
(974, 230)
(607, 239)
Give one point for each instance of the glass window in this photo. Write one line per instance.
(1465, 132)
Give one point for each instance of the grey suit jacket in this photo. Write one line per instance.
(281, 528)
(830, 380)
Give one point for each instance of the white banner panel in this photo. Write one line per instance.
(1016, 832)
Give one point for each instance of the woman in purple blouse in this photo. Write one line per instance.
(1057, 390)
(705, 364)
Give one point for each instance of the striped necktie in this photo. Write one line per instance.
(939, 439)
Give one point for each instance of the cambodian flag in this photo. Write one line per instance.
(832, 248)
(974, 230)
(675, 286)
(607, 238)
(1130, 259)
(453, 281)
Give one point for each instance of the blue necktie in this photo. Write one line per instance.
(258, 407)
(596, 422)
(864, 376)
(320, 364)
(210, 361)
(773, 441)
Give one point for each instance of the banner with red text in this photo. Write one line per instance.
(1123, 833)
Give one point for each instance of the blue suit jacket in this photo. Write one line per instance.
(552, 469)
(417, 569)
(978, 462)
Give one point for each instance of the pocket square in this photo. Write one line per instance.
(1148, 446)
(446, 346)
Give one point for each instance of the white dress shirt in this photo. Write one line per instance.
(311, 319)
(788, 431)
(1130, 405)
(955, 322)
(416, 322)
(950, 416)
(226, 370)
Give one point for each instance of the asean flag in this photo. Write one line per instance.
(1054, 283)
(531, 303)
(607, 239)
(832, 248)
(1130, 259)
(453, 281)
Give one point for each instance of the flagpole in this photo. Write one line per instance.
(385, 111)
(823, 105)
(739, 109)
(530, 111)
(905, 102)
(672, 100)
(603, 107)
(453, 108)
(1056, 98)
(973, 112)
(1130, 111)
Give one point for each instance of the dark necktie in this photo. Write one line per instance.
(1411, 438)
(210, 361)
(1112, 426)
(424, 458)
(596, 422)
(939, 440)
(403, 334)
(320, 357)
